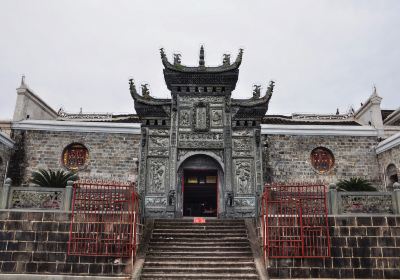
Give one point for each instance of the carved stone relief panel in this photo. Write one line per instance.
(155, 201)
(216, 117)
(157, 174)
(245, 202)
(190, 101)
(242, 143)
(159, 132)
(211, 140)
(243, 132)
(161, 152)
(218, 153)
(243, 176)
(158, 142)
(201, 118)
(201, 136)
(242, 153)
(184, 118)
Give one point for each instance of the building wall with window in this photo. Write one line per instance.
(6, 146)
(4, 157)
(108, 155)
(288, 158)
(388, 152)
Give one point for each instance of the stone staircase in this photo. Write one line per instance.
(218, 249)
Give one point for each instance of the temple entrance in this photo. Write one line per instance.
(200, 186)
(200, 193)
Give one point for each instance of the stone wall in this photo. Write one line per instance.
(36, 242)
(286, 158)
(388, 157)
(361, 247)
(4, 157)
(111, 155)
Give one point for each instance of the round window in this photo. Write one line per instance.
(322, 159)
(75, 156)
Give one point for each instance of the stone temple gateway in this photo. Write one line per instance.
(200, 153)
(199, 138)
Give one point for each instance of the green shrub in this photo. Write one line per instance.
(355, 185)
(52, 179)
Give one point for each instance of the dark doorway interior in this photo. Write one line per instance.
(200, 193)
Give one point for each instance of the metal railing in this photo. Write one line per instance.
(106, 219)
(294, 221)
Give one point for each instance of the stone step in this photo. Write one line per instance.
(207, 243)
(230, 263)
(224, 239)
(199, 249)
(207, 227)
(191, 270)
(203, 276)
(190, 221)
(199, 254)
(196, 235)
(199, 230)
(236, 259)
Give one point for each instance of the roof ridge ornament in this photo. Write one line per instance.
(374, 93)
(177, 58)
(201, 57)
(23, 84)
(239, 57)
(162, 53)
(226, 59)
(145, 91)
(270, 88)
(256, 91)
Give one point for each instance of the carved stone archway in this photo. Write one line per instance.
(200, 161)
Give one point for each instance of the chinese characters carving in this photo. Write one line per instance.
(322, 159)
(75, 156)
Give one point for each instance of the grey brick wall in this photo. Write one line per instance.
(361, 247)
(286, 158)
(110, 155)
(36, 242)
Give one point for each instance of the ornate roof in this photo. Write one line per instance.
(147, 106)
(222, 75)
(254, 107)
(178, 67)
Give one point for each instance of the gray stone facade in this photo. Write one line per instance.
(287, 158)
(111, 155)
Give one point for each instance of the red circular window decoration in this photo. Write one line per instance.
(75, 156)
(322, 159)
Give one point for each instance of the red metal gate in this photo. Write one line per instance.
(105, 219)
(294, 221)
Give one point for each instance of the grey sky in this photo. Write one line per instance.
(322, 54)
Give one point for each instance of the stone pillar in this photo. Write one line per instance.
(68, 195)
(4, 193)
(333, 200)
(396, 198)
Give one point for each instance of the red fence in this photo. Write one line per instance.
(105, 219)
(294, 222)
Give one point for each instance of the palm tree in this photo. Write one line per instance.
(52, 179)
(356, 185)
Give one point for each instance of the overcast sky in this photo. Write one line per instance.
(322, 54)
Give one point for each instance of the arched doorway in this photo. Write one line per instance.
(200, 192)
(391, 175)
